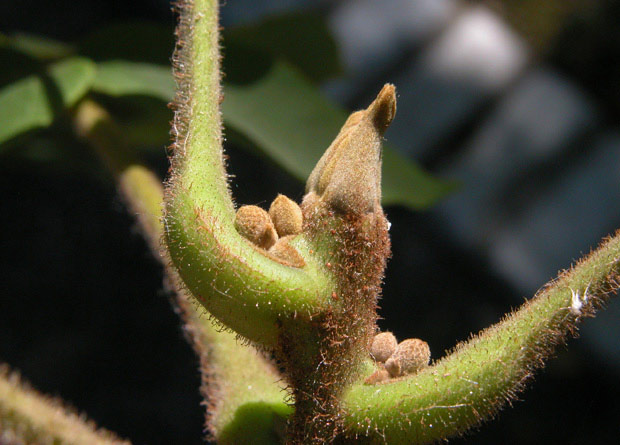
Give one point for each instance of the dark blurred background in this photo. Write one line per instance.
(518, 100)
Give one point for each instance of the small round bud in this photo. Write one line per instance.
(383, 346)
(287, 254)
(286, 216)
(254, 223)
(411, 356)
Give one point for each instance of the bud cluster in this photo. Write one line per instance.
(272, 231)
(397, 359)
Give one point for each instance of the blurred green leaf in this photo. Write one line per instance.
(34, 101)
(23, 54)
(291, 122)
(406, 183)
(73, 78)
(141, 92)
(124, 78)
(133, 41)
(144, 121)
(37, 47)
(281, 113)
(302, 39)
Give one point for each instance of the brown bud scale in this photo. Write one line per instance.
(286, 254)
(380, 375)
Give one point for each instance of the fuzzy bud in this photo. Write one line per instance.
(411, 356)
(287, 254)
(254, 223)
(348, 175)
(383, 346)
(286, 216)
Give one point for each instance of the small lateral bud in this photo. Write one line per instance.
(383, 346)
(348, 175)
(411, 356)
(286, 216)
(287, 254)
(254, 223)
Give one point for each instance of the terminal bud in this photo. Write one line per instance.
(348, 175)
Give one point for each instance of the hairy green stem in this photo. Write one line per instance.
(319, 318)
(482, 375)
(29, 417)
(245, 400)
(241, 286)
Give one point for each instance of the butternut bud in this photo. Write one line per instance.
(254, 223)
(411, 356)
(286, 216)
(383, 346)
(348, 175)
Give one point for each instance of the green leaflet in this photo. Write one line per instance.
(34, 101)
(121, 77)
(37, 47)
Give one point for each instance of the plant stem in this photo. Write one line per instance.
(28, 417)
(241, 387)
(474, 382)
(241, 286)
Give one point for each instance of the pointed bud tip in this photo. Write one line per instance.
(348, 175)
(383, 108)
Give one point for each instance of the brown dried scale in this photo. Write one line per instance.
(287, 254)
(286, 216)
(411, 356)
(383, 346)
(254, 223)
(380, 375)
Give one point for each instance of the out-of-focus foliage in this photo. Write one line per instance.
(269, 98)
(35, 100)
